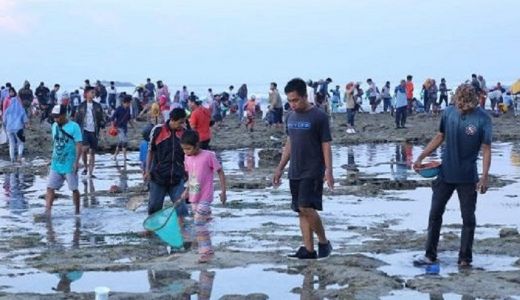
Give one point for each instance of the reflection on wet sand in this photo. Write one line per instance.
(14, 185)
(403, 161)
(246, 160)
(89, 193)
(66, 279)
(51, 234)
(309, 283)
(123, 177)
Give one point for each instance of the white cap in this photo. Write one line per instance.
(56, 110)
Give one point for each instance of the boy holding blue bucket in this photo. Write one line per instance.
(200, 166)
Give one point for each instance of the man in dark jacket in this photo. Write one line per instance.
(165, 163)
(43, 94)
(101, 92)
(90, 118)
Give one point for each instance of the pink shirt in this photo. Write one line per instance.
(201, 168)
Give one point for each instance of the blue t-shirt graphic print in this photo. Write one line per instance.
(64, 146)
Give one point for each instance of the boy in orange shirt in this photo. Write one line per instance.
(409, 93)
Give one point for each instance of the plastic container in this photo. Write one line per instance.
(433, 269)
(102, 292)
(165, 225)
(430, 169)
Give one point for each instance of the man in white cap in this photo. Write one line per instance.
(66, 153)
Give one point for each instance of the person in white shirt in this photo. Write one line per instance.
(310, 93)
(91, 118)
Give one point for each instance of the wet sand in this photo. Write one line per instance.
(375, 218)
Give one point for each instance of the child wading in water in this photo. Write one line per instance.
(200, 166)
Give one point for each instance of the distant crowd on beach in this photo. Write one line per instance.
(430, 99)
(154, 101)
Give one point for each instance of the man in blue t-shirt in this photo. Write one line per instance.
(309, 151)
(66, 136)
(466, 129)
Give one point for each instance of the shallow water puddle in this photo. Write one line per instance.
(215, 282)
(77, 281)
(266, 281)
(407, 294)
(401, 263)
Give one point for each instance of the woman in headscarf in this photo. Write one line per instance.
(15, 119)
(162, 90)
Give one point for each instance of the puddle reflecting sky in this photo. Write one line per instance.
(213, 283)
(414, 295)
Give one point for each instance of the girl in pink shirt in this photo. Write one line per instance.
(201, 166)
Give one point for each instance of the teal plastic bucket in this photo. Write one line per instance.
(165, 225)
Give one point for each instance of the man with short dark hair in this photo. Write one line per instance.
(275, 101)
(53, 99)
(42, 94)
(149, 91)
(373, 95)
(309, 151)
(101, 92)
(466, 129)
(443, 89)
(91, 118)
(165, 163)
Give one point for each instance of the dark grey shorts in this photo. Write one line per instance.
(306, 193)
(90, 140)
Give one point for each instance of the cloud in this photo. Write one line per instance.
(12, 20)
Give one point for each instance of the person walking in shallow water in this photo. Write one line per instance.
(91, 118)
(15, 120)
(309, 151)
(66, 154)
(466, 129)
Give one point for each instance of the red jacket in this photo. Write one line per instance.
(199, 121)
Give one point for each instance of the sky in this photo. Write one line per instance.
(221, 42)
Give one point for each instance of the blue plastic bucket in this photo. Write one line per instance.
(165, 225)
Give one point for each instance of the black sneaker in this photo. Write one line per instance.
(324, 250)
(302, 253)
(423, 261)
(84, 172)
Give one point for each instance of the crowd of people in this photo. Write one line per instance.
(175, 151)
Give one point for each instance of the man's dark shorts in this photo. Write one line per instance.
(278, 115)
(306, 193)
(90, 139)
